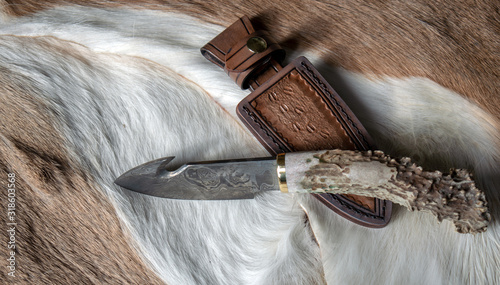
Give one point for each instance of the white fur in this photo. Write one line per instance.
(144, 91)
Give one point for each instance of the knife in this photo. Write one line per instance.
(451, 196)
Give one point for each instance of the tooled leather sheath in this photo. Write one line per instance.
(294, 109)
(285, 110)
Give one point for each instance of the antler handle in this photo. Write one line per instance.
(452, 196)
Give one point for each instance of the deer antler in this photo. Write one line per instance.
(452, 196)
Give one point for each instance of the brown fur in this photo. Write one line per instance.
(67, 231)
(454, 44)
(450, 43)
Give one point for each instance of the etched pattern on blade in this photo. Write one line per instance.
(221, 180)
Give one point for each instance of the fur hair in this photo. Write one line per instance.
(90, 89)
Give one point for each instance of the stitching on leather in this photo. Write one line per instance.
(335, 197)
(344, 204)
(332, 97)
(251, 115)
(358, 131)
(257, 121)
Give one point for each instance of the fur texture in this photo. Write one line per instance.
(89, 92)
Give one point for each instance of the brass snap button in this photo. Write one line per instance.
(256, 44)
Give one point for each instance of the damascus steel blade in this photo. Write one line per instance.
(221, 180)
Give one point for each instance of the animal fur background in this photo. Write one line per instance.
(89, 89)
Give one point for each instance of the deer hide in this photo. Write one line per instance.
(90, 89)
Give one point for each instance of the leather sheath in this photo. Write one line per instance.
(293, 108)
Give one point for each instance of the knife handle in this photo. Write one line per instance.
(333, 171)
(373, 174)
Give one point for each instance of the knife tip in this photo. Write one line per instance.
(158, 167)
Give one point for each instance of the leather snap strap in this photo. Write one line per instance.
(244, 53)
(243, 60)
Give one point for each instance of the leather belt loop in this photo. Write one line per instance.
(231, 51)
(241, 62)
